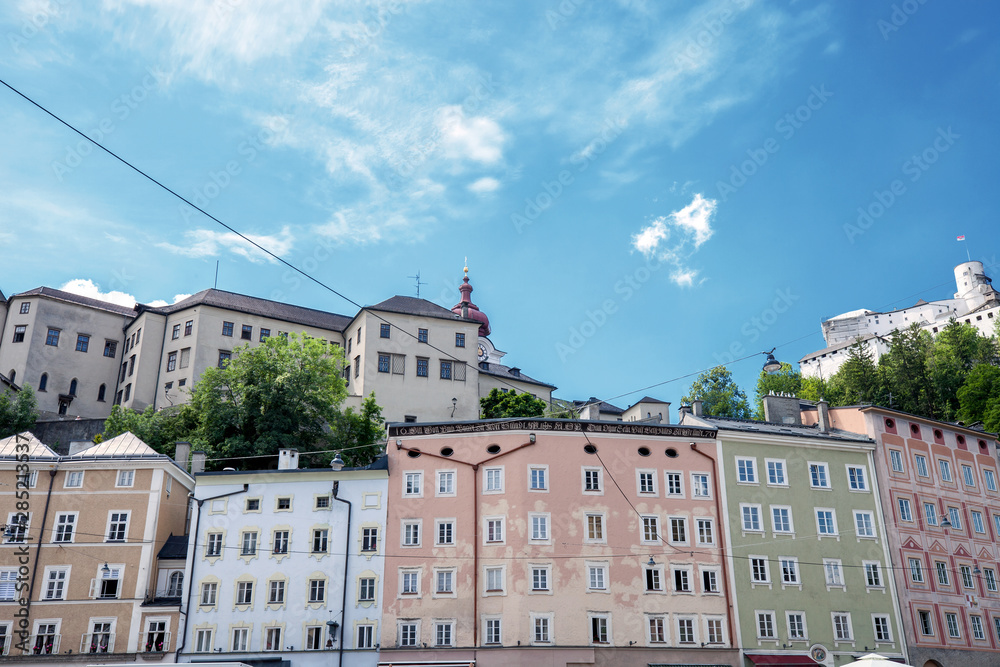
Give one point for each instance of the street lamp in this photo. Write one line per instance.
(771, 365)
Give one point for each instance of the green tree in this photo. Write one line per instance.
(785, 381)
(359, 436)
(498, 404)
(954, 352)
(18, 411)
(720, 395)
(979, 397)
(905, 367)
(160, 429)
(283, 393)
(859, 379)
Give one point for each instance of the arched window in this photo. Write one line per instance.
(175, 585)
(100, 393)
(12, 375)
(43, 382)
(72, 387)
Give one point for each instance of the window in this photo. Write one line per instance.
(675, 486)
(905, 511)
(596, 576)
(653, 579)
(650, 529)
(128, 391)
(977, 521)
(746, 470)
(678, 530)
(72, 387)
(751, 518)
(46, 639)
(951, 621)
(101, 391)
(459, 340)
(188, 326)
(685, 630)
(595, 527)
(445, 533)
(224, 358)
(538, 479)
(819, 477)
(857, 478)
(246, 333)
(781, 519)
(283, 504)
(598, 629)
(82, 342)
(244, 592)
(446, 581)
(366, 589)
(765, 625)
(8, 586)
(880, 623)
(920, 462)
(873, 575)
(864, 524)
(443, 633)
(445, 370)
(826, 522)
(789, 570)
(539, 527)
(317, 590)
(227, 328)
(446, 483)
(314, 638)
(249, 543)
(540, 578)
(896, 460)
(411, 533)
(422, 366)
(272, 639)
(930, 514)
(591, 480)
(52, 338)
(541, 630)
(955, 517)
(494, 579)
(408, 633)
(110, 347)
(171, 361)
(74, 479)
(19, 331)
(264, 334)
(709, 581)
(842, 627)
(383, 363)
(796, 624)
(214, 545)
(494, 480)
(776, 472)
(966, 572)
(968, 476)
(176, 332)
(209, 591)
(647, 482)
(916, 568)
(706, 532)
(203, 640)
(279, 544)
(369, 539)
(977, 627)
(276, 592)
(699, 485)
(989, 574)
(926, 625)
(990, 478)
(834, 572)
(714, 630)
(759, 571)
(383, 330)
(494, 530)
(682, 580)
(421, 335)
(945, 468)
(55, 582)
(493, 634)
(25, 307)
(412, 483)
(65, 522)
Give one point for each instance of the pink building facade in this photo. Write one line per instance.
(554, 542)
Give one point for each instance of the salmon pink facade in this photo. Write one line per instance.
(554, 542)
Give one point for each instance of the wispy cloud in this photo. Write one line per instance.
(210, 243)
(675, 237)
(479, 138)
(88, 288)
(484, 185)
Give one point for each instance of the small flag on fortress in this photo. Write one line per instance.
(962, 237)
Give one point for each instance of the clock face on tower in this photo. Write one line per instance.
(483, 353)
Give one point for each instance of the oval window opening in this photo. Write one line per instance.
(644, 451)
(914, 429)
(413, 453)
(493, 449)
(890, 423)
(447, 451)
(671, 452)
(937, 433)
(590, 449)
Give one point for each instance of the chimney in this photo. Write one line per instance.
(782, 409)
(288, 459)
(823, 410)
(198, 462)
(684, 410)
(182, 450)
(592, 412)
(696, 407)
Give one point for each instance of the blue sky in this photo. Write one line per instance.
(642, 189)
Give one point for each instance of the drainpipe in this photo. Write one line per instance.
(41, 534)
(197, 523)
(475, 511)
(343, 601)
(722, 543)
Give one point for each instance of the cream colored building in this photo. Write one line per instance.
(79, 571)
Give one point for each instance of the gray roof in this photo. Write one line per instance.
(408, 305)
(69, 297)
(501, 371)
(605, 406)
(775, 428)
(175, 547)
(836, 347)
(252, 305)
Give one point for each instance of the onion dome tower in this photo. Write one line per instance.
(469, 310)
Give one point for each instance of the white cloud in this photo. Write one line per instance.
(90, 289)
(210, 243)
(485, 185)
(675, 237)
(479, 138)
(159, 303)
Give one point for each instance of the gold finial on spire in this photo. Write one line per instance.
(466, 266)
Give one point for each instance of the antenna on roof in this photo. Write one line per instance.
(418, 283)
(216, 286)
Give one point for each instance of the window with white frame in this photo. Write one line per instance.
(678, 530)
(444, 581)
(646, 481)
(826, 522)
(654, 579)
(494, 579)
(595, 527)
(714, 628)
(444, 632)
(272, 639)
(699, 486)
(977, 627)
(751, 518)
(248, 543)
(446, 482)
(538, 478)
(746, 470)
(905, 510)
(819, 476)
(926, 623)
(944, 467)
(493, 480)
(941, 569)
(8, 586)
(765, 625)
(682, 580)
(107, 583)
(795, 621)
(592, 480)
(931, 514)
(365, 637)
(990, 479)
(125, 478)
(540, 576)
(320, 540)
(493, 629)
(916, 568)
(650, 529)
(209, 593)
(880, 624)
(445, 533)
(968, 476)
(494, 529)
(409, 581)
(951, 622)
(411, 532)
(955, 517)
(600, 629)
(597, 576)
(990, 576)
(675, 483)
(966, 573)
(74, 479)
(369, 538)
(244, 592)
(317, 591)
(781, 519)
(412, 484)
(896, 460)
(977, 521)
(842, 630)
(56, 579)
(834, 571)
(65, 525)
(539, 527)
(17, 527)
(279, 542)
(213, 545)
(541, 629)
(776, 472)
(685, 631)
(760, 572)
(709, 581)
(656, 625)
(203, 640)
(789, 570)
(706, 532)
(366, 589)
(920, 464)
(857, 478)
(409, 633)
(873, 574)
(864, 523)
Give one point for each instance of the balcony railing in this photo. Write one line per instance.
(98, 642)
(154, 642)
(45, 644)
